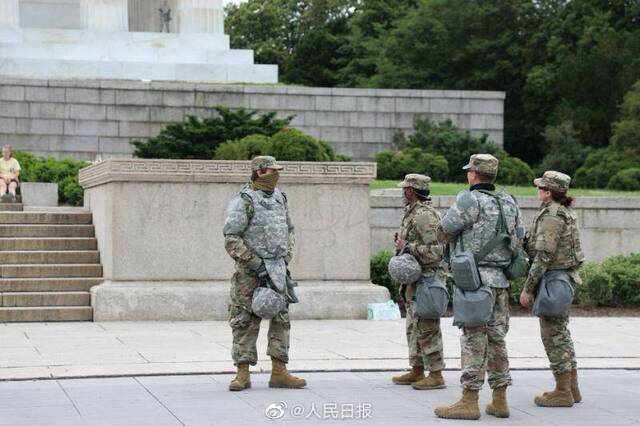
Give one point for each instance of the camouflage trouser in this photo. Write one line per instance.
(558, 344)
(425, 342)
(246, 326)
(484, 348)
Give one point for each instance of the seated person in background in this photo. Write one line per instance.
(9, 173)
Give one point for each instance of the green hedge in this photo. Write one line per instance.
(286, 145)
(626, 180)
(380, 273)
(64, 172)
(394, 165)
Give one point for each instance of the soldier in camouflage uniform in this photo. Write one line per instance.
(418, 236)
(472, 220)
(554, 244)
(259, 236)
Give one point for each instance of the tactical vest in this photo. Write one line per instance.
(267, 234)
(568, 252)
(484, 229)
(408, 231)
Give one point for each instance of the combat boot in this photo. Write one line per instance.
(465, 409)
(280, 377)
(242, 380)
(416, 374)
(433, 381)
(561, 396)
(498, 406)
(575, 389)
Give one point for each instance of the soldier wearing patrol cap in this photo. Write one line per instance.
(554, 245)
(417, 236)
(259, 236)
(469, 225)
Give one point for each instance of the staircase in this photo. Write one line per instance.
(48, 262)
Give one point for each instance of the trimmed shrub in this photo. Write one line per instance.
(393, 165)
(596, 288)
(379, 264)
(197, 138)
(601, 165)
(286, 145)
(626, 180)
(625, 276)
(64, 172)
(514, 171)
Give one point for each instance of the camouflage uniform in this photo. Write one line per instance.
(418, 229)
(258, 232)
(472, 220)
(554, 244)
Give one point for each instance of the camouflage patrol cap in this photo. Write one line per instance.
(483, 163)
(265, 162)
(553, 180)
(416, 181)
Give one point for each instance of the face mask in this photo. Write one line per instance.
(267, 183)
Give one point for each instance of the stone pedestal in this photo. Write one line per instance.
(200, 16)
(104, 15)
(159, 230)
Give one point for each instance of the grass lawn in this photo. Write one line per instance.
(438, 188)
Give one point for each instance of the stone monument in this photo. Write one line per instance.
(90, 39)
(159, 230)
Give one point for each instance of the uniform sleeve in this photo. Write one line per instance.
(292, 232)
(239, 212)
(461, 215)
(427, 250)
(545, 247)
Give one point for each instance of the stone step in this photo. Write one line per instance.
(47, 284)
(46, 231)
(46, 313)
(43, 298)
(48, 257)
(41, 244)
(45, 218)
(51, 271)
(11, 207)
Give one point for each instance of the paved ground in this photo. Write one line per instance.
(72, 350)
(610, 398)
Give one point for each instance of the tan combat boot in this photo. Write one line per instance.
(465, 409)
(433, 381)
(242, 380)
(575, 390)
(561, 396)
(498, 406)
(416, 374)
(280, 377)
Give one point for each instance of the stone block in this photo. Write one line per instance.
(297, 102)
(39, 194)
(385, 120)
(14, 109)
(129, 113)
(231, 100)
(486, 106)
(323, 103)
(344, 103)
(139, 97)
(377, 104)
(377, 135)
(11, 93)
(362, 119)
(178, 99)
(74, 143)
(446, 106)
(166, 114)
(494, 121)
(405, 120)
(265, 102)
(47, 110)
(331, 119)
(87, 112)
(90, 128)
(115, 146)
(8, 125)
(83, 95)
(39, 126)
(44, 94)
(410, 105)
(477, 121)
(136, 129)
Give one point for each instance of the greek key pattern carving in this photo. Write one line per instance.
(220, 171)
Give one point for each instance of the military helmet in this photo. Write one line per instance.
(267, 303)
(265, 162)
(404, 268)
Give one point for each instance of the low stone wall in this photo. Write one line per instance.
(159, 229)
(90, 118)
(608, 225)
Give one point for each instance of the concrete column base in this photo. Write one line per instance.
(208, 300)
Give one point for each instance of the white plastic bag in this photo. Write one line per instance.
(383, 311)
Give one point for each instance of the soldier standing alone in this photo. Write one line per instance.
(418, 237)
(554, 245)
(471, 223)
(259, 236)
